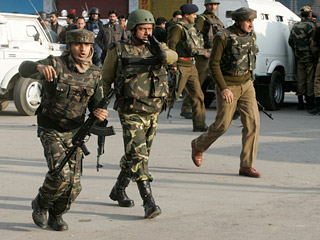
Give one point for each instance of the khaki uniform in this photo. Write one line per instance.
(139, 100)
(208, 24)
(233, 73)
(190, 79)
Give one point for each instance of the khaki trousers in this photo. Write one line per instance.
(305, 79)
(202, 65)
(317, 80)
(245, 100)
(190, 82)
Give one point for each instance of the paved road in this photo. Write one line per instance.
(211, 202)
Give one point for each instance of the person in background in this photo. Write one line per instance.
(160, 32)
(81, 23)
(54, 23)
(71, 20)
(176, 16)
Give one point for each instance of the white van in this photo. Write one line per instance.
(275, 71)
(22, 38)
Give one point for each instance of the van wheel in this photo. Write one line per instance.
(271, 96)
(3, 105)
(27, 96)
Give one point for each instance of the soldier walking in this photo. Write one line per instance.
(234, 88)
(136, 68)
(184, 39)
(71, 85)
(208, 24)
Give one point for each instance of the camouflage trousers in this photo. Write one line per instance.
(55, 193)
(305, 79)
(138, 134)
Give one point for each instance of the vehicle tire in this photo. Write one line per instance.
(4, 104)
(208, 91)
(27, 96)
(271, 96)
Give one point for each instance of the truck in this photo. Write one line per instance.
(22, 37)
(275, 71)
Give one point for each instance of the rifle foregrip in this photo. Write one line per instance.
(85, 150)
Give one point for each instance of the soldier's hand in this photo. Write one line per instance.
(48, 72)
(207, 54)
(227, 95)
(156, 49)
(101, 114)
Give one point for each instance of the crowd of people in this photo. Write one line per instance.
(132, 56)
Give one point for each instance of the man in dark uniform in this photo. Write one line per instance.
(234, 88)
(71, 85)
(208, 24)
(184, 39)
(136, 68)
(110, 32)
(94, 24)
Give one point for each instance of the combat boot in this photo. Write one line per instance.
(39, 214)
(310, 102)
(56, 222)
(118, 192)
(301, 105)
(316, 109)
(150, 208)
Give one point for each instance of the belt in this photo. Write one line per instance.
(187, 58)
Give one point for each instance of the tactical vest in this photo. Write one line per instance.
(66, 100)
(240, 53)
(193, 42)
(302, 35)
(143, 81)
(215, 25)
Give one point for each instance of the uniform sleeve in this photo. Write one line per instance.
(172, 56)
(99, 38)
(96, 97)
(219, 44)
(316, 36)
(28, 69)
(174, 36)
(110, 69)
(200, 23)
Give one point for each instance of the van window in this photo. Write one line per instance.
(264, 16)
(279, 18)
(21, 30)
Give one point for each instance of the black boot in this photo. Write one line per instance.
(56, 222)
(316, 109)
(118, 192)
(310, 102)
(300, 103)
(150, 208)
(39, 214)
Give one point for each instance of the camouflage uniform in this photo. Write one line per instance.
(139, 102)
(185, 40)
(300, 41)
(208, 24)
(60, 114)
(233, 71)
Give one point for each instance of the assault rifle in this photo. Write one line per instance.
(264, 110)
(173, 81)
(91, 125)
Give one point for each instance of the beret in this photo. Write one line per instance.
(189, 8)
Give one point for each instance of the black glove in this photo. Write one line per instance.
(156, 49)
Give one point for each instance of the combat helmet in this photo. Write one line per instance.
(305, 9)
(243, 14)
(211, 1)
(139, 16)
(94, 10)
(80, 36)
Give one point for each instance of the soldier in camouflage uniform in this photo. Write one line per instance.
(234, 88)
(136, 68)
(208, 24)
(185, 40)
(300, 41)
(71, 85)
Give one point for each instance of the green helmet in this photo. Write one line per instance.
(211, 1)
(305, 9)
(80, 36)
(243, 14)
(139, 16)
